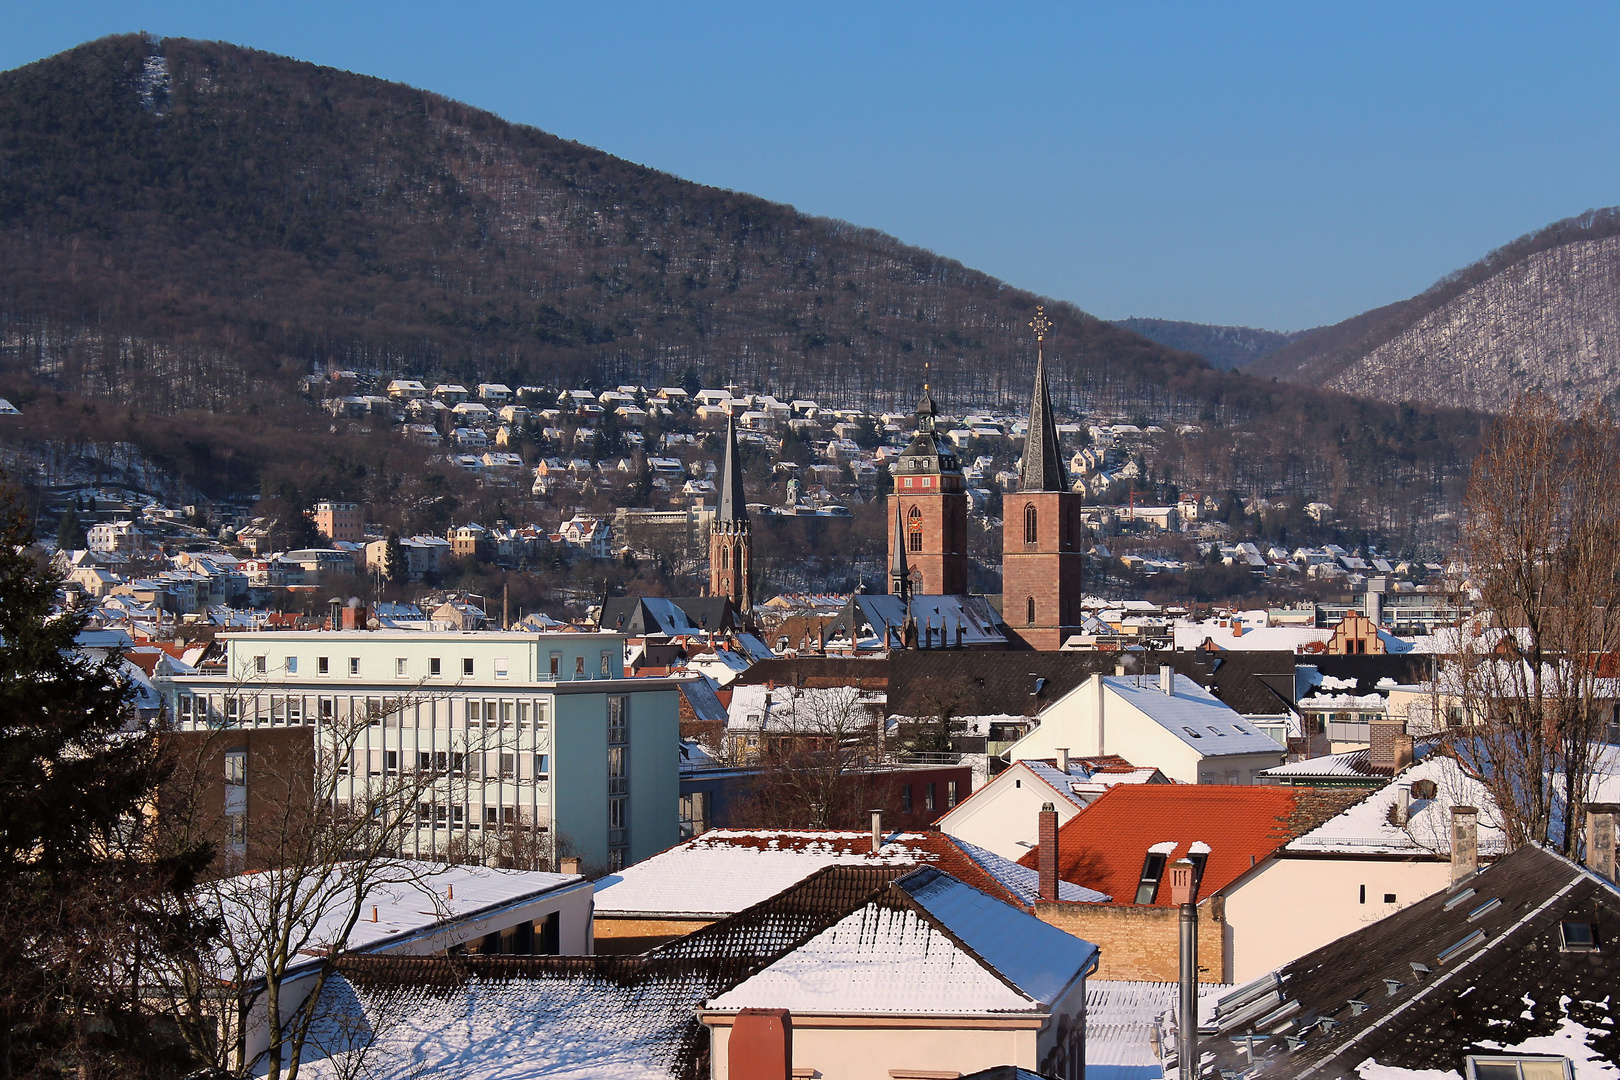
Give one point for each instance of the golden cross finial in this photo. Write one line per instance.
(1040, 323)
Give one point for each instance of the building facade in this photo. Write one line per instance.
(339, 522)
(930, 504)
(536, 738)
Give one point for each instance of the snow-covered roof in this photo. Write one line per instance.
(952, 950)
(1122, 1018)
(724, 871)
(1192, 714)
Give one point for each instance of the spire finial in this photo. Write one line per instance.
(1041, 325)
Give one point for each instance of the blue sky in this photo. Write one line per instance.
(1277, 165)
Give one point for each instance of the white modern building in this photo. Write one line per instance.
(520, 730)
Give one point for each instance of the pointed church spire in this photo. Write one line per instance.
(1042, 468)
(733, 505)
(899, 572)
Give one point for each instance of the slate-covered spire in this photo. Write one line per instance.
(899, 572)
(1042, 468)
(733, 504)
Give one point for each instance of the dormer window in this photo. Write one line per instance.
(1152, 872)
(1578, 936)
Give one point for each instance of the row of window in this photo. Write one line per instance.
(294, 709)
(929, 796)
(438, 815)
(435, 666)
(492, 765)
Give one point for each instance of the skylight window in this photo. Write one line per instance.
(1191, 732)
(1518, 1067)
(1578, 936)
(1152, 871)
(1462, 946)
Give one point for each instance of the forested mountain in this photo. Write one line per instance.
(186, 228)
(1223, 346)
(1541, 313)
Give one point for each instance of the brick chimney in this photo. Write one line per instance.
(761, 1045)
(1464, 842)
(1182, 889)
(1600, 821)
(1383, 731)
(1047, 858)
(1405, 751)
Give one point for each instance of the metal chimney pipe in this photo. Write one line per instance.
(877, 831)
(1187, 1024)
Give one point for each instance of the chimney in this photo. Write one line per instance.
(1048, 852)
(1063, 759)
(1600, 838)
(877, 831)
(1464, 842)
(1403, 804)
(1167, 679)
(1182, 890)
(1382, 732)
(1119, 670)
(568, 864)
(373, 912)
(1374, 606)
(761, 1045)
(1405, 751)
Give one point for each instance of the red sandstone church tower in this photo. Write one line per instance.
(1041, 555)
(731, 546)
(929, 506)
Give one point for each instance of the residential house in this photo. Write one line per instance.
(1167, 721)
(406, 390)
(494, 393)
(1001, 816)
(591, 537)
(1125, 842)
(450, 393)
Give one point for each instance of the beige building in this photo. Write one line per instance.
(339, 521)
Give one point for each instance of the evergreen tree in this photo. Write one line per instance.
(69, 532)
(395, 567)
(81, 884)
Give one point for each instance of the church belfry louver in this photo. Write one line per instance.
(1041, 555)
(731, 545)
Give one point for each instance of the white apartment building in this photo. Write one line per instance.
(520, 730)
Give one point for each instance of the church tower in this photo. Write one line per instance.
(1041, 549)
(731, 546)
(930, 510)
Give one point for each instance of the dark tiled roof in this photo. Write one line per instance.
(1516, 982)
(1369, 670)
(868, 673)
(987, 684)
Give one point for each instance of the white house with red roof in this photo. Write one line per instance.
(1001, 816)
(1167, 721)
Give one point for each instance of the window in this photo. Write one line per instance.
(1031, 524)
(950, 793)
(618, 720)
(905, 799)
(236, 830)
(579, 666)
(399, 667)
(914, 529)
(508, 766)
(542, 766)
(694, 814)
(435, 667)
(618, 763)
(556, 662)
(354, 665)
(259, 665)
(725, 557)
(233, 708)
(236, 767)
(291, 663)
(1518, 1067)
(1389, 898)
(1198, 859)
(1578, 937)
(475, 711)
(391, 761)
(928, 796)
(607, 664)
(323, 665)
(1029, 611)
(1191, 732)
(466, 665)
(328, 707)
(500, 667)
(1152, 871)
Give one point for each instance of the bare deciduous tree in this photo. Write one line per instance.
(1542, 540)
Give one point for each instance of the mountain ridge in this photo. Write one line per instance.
(187, 229)
(1225, 347)
(1538, 313)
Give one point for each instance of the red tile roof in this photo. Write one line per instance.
(1104, 846)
